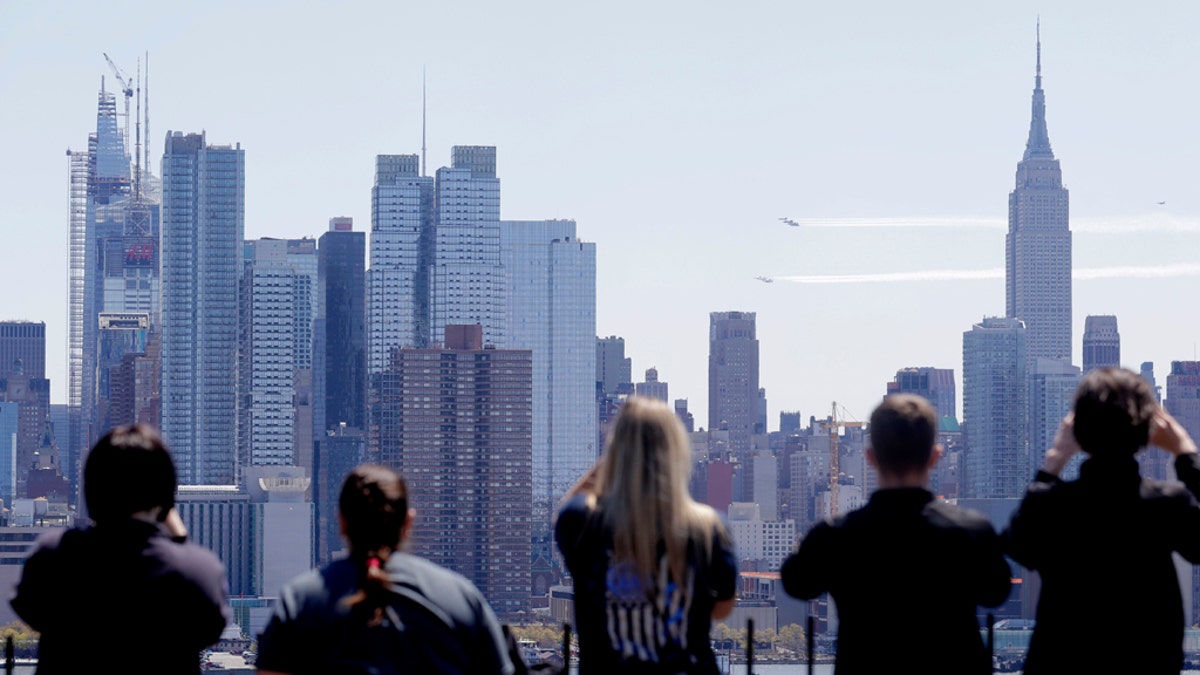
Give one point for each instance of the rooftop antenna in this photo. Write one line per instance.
(147, 113)
(423, 165)
(137, 153)
(1039, 52)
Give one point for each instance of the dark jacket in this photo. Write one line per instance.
(121, 588)
(1102, 545)
(907, 574)
(435, 621)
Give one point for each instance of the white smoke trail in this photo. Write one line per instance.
(1081, 274)
(1107, 225)
(886, 277)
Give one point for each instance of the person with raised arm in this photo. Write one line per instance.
(1102, 545)
(907, 572)
(652, 568)
(129, 579)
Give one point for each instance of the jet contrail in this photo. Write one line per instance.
(1108, 225)
(927, 275)
(1081, 274)
(1139, 272)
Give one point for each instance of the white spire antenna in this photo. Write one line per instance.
(423, 164)
(147, 113)
(137, 152)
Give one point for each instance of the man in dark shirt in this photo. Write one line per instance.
(1103, 544)
(128, 584)
(906, 572)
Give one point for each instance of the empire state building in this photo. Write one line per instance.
(1038, 243)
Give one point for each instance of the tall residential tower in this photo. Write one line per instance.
(203, 224)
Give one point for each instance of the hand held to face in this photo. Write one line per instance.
(1065, 446)
(1167, 433)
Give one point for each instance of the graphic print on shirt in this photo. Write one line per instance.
(646, 623)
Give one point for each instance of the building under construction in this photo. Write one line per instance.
(114, 241)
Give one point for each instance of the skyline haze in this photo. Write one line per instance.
(675, 142)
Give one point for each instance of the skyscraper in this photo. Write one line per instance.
(613, 368)
(935, 385)
(1052, 385)
(994, 409)
(340, 354)
(1038, 243)
(550, 301)
(467, 281)
(339, 372)
(114, 255)
(652, 387)
(202, 232)
(467, 457)
(733, 394)
(278, 282)
(1183, 395)
(25, 340)
(401, 256)
(1101, 343)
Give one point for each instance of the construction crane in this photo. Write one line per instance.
(127, 89)
(833, 425)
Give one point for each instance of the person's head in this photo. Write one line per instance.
(374, 514)
(904, 435)
(128, 472)
(374, 510)
(1113, 410)
(648, 451)
(643, 487)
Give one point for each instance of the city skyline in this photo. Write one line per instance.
(657, 204)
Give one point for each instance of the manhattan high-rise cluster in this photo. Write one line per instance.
(451, 345)
(461, 349)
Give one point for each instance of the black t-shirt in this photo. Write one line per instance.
(624, 624)
(435, 622)
(85, 590)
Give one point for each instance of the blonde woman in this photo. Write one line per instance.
(651, 567)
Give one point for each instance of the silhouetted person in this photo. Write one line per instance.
(127, 586)
(381, 611)
(906, 571)
(1102, 544)
(651, 567)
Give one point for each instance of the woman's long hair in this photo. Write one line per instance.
(642, 490)
(374, 506)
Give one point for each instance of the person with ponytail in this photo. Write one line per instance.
(380, 610)
(651, 567)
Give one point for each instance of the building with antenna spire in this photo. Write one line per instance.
(1038, 243)
(114, 256)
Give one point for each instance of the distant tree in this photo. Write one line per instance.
(24, 638)
(792, 637)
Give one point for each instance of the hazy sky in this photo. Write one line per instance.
(676, 134)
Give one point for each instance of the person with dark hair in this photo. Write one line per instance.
(380, 611)
(130, 576)
(652, 567)
(1102, 545)
(907, 572)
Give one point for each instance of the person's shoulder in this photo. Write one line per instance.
(1166, 490)
(575, 508)
(572, 517)
(52, 540)
(428, 576)
(187, 559)
(949, 515)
